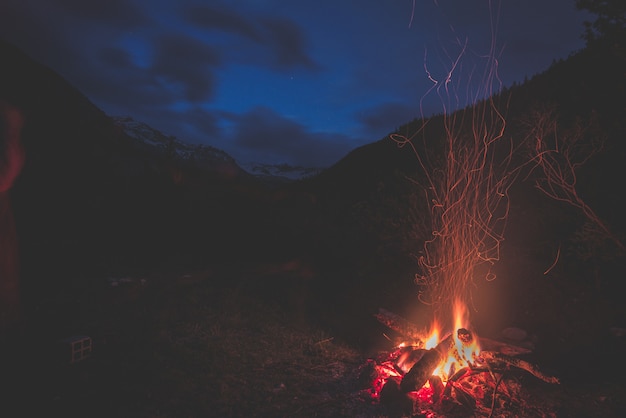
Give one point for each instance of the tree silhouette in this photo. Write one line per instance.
(610, 20)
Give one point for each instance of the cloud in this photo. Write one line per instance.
(266, 136)
(116, 84)
(167, 63)
(225, 20)
(276, 42)
(287, 42)
(194, 125)
(183, 63)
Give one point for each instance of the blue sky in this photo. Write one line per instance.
(288, 81)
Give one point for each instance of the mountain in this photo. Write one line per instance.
(98, 196)
(206, 157)
(372, 213)
(153, 142)
(91, 199)
(282, 173)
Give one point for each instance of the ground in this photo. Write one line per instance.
(179, 344)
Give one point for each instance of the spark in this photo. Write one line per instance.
(469, 170)
(468, 186)
(556, 260)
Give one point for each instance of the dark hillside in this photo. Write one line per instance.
(371, 220)
(90, 203)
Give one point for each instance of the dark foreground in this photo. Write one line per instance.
(180, 346)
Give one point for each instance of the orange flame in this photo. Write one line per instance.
(468, 350)
(465, 347)
(433, 340)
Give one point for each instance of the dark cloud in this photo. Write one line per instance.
(131, 92)
(194, 125)
(181, 71)
(384, 119)
(116, 84)
(185, 51)
(184, 64)
(225, 20)
(118, 12)
(287, 42)
(268, 136)
(277, 42)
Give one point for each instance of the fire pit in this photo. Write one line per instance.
(458, 375)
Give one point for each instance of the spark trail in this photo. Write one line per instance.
(468, 171)
(467, 183)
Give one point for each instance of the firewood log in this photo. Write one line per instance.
(437, 386)
(502, 347)
(400, 325)
(424, 368)
(492, 357)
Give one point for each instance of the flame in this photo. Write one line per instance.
(464, 349)
(457, 351)
(467, 348)
(433, 340)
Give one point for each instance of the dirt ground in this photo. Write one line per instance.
(180, 345)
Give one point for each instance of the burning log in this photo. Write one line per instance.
(492, 357)
(461, 378)
(408, 358)
(424, 368)
(411, 332)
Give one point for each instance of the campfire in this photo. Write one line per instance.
(452, 374)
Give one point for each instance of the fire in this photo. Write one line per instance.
(424, 367)
(466, 343)
(433, 340)
(464, 349)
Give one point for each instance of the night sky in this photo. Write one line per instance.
(288, 81)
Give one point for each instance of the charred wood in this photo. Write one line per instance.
(493, 358)
(504, 348)
(437, 386)
(394, 399)
(400, 325)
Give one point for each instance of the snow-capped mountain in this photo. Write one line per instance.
(205, 156)
(285, 171)
(200, 155)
